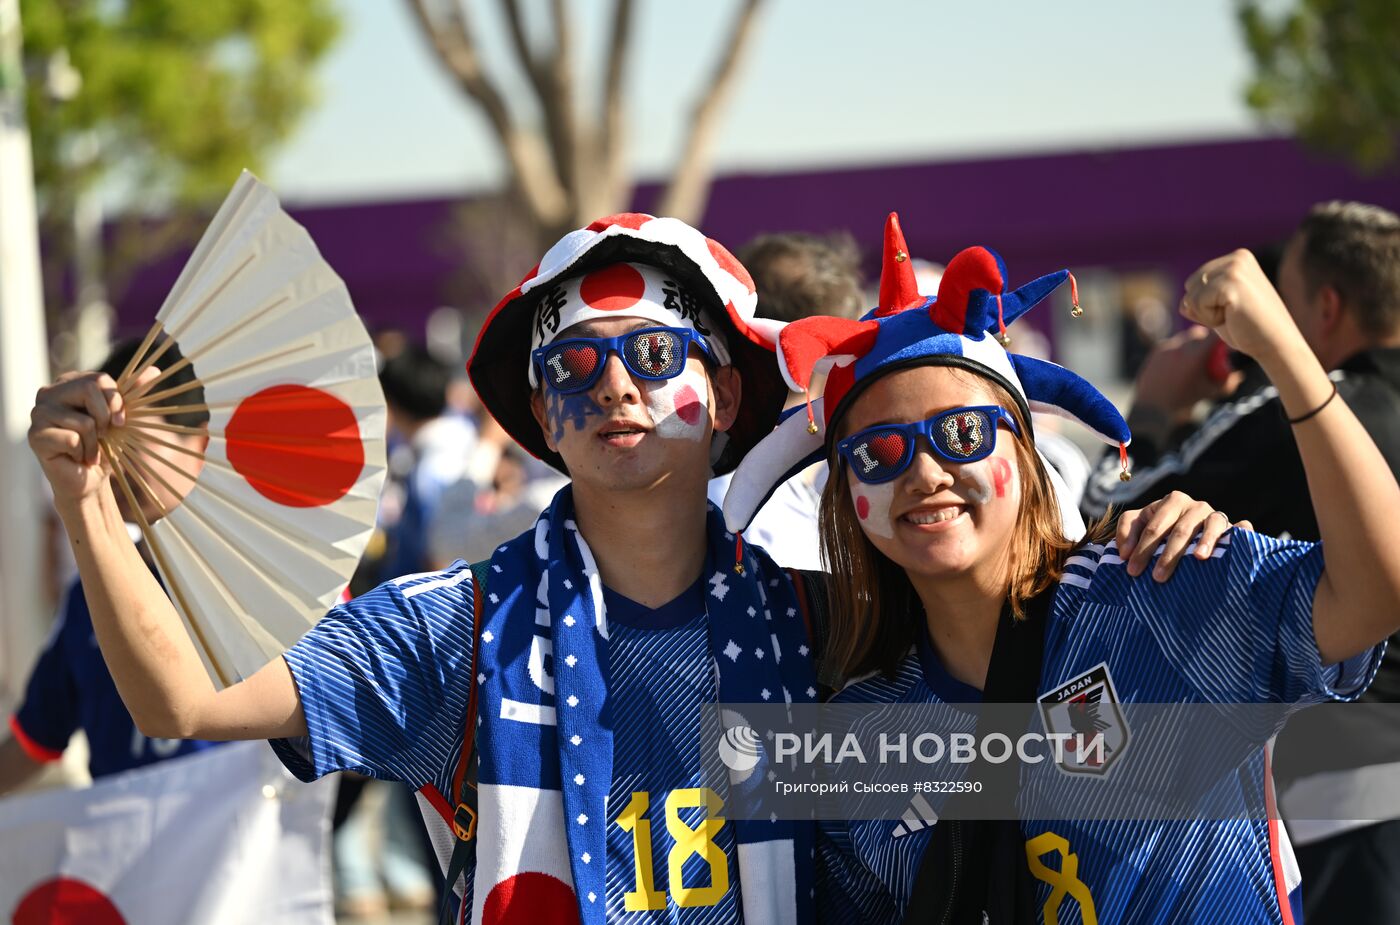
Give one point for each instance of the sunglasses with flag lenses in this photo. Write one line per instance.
(648, 353)
(880, 453)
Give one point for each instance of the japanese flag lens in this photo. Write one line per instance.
(656, 354)
(964, 434)
(879, 454)
(570, 366)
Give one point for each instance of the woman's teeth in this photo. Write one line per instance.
(942, 515)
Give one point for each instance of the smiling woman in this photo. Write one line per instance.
(955, 579)
(998, 510)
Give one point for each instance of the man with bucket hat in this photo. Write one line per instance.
(630, 347)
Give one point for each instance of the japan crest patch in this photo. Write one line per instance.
(1086, 710)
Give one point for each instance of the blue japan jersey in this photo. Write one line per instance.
(661, 673)
(384, 682)
(71, 688)
(1236, 628)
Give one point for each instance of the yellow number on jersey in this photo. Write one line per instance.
(1063, 882)
(634, 819)
(699, 840)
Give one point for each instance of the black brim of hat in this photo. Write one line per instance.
(499, 365)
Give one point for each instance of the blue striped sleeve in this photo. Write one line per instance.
(384, 682)
(1238, 626)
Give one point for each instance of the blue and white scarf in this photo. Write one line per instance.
(545, 733)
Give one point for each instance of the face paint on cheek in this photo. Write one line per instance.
(978, 482)
(1001, 475)
(872, 504)
(562, 410)
(679, 407)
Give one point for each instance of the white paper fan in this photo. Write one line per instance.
(269, 532)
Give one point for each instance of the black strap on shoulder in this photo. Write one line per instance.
(464, 818)
(950, 886)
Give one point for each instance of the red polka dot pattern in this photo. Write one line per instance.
(629, 220)
(730, 264)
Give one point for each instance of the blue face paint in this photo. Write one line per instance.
(568, 409)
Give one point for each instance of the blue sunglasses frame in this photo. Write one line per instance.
(926, 429)
(607, 346)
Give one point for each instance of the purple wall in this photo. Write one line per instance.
(1171, 207)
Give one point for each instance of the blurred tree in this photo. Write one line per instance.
(168, 99)
(569, 166)
(1330, 69)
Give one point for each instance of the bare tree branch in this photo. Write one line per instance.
(550, 76)
(613, 189)
(573, 167)
(511, 10)
(537, 181)
(560, 112)
(456, 50)
(531, 64)
(690, 184)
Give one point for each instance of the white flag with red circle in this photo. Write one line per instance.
(218, 837)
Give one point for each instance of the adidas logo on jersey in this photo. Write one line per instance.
(919, 815)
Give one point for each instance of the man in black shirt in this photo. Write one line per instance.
(1340, 278)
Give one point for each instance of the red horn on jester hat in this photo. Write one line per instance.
(898, 287)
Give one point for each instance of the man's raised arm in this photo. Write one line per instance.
(143, 640)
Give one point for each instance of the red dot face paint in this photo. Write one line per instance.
(1001, 475)
(688, 405)
(679, 406)
(872, 505)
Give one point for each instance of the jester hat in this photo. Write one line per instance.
(499, 367)
(963, 326)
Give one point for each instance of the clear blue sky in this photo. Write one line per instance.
(826, 83)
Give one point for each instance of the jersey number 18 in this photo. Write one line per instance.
(697, 840)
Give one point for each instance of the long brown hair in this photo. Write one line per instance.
(875, 613)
